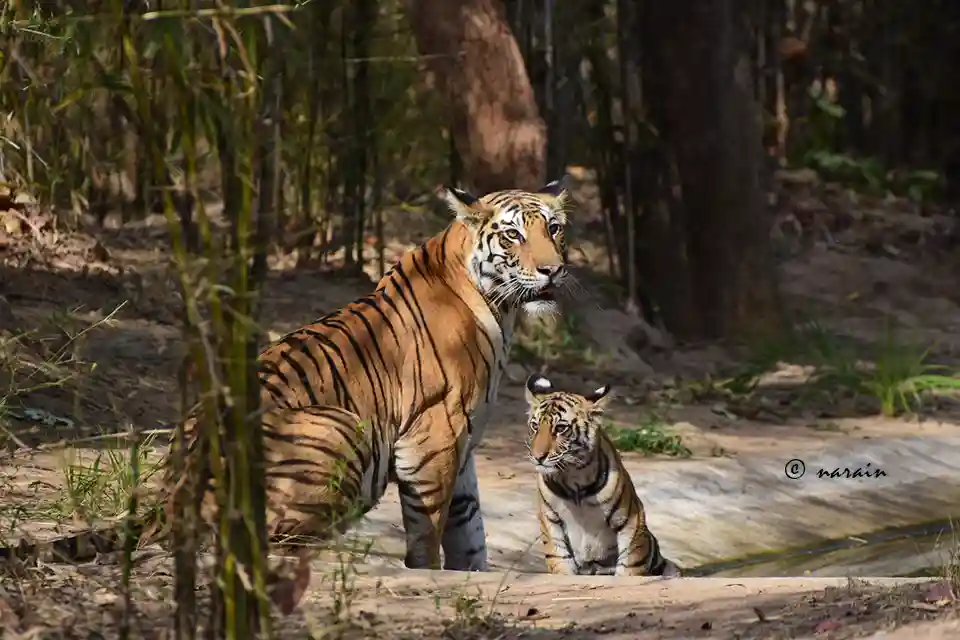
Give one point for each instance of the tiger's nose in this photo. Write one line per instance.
(539, 457)
(550, 270)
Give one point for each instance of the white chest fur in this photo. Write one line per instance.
(589, 526)
(591, 540)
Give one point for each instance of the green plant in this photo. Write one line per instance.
(466, 607)
(46, 357)
(951, 570)
(808, 343)
(897, 378)
(471, 620)
(823, 120)
(920, 185)
(649, 438)
(902, 374)
(871, 176)
(101, 488)
(837, 370)
(343, 577)
(820, 151)
(866, 174)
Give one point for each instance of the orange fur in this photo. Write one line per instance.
(398, 385)
(591, 519)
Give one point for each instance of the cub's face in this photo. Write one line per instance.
(518, 252)
(564, 426)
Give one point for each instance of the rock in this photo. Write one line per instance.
(797, 177)
(616, 333)
(10, 222)
(643, 337)
(516, 372)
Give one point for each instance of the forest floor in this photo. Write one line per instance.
(90, 345)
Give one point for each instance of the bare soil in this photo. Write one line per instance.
(849, 262)
(86, 602)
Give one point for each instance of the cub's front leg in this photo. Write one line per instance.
(427, 461)
(638, 552)
(557, 551)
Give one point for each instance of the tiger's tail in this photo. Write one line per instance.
(657, 563)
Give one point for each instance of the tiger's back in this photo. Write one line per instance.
(395, 385)
(591, 519)
(417, 363)
(347, 394)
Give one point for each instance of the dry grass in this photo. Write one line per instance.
(82, 485)
(85, 601)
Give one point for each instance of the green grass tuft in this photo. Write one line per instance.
(650, 438)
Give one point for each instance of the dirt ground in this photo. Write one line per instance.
(42, 603)
(102, 305)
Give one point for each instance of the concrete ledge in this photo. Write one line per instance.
(492, 582)
(705, 511)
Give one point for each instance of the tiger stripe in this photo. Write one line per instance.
(398, 384)
(591, 519)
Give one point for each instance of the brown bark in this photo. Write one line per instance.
(495, 121)
(713, 127)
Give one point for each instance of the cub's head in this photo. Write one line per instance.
(564, 426)
(517, 256)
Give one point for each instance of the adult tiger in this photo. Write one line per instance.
(397, 385)
(591, 519)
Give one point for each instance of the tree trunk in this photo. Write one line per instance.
(713, 125)
(946, 100)
(496, 125)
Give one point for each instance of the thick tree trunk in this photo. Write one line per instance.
(496, 125)
(713, 127)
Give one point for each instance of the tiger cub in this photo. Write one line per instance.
(591, 520)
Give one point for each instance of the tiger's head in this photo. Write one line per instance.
(517, 254)
(564, 426)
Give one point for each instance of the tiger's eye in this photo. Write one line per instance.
(513, 234)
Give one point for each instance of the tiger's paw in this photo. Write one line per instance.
(670, 570)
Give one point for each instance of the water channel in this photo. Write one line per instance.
(745, 517)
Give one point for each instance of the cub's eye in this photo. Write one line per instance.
(562, 428)
(555, 228)
(513, 235)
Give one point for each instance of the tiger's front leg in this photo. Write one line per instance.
(464, 539)
(427, 461)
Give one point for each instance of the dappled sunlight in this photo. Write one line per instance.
(746, 227)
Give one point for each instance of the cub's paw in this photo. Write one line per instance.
(670, 570)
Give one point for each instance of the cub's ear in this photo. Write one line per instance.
(537, 385)
(598, 398)
(556, 189)
(465, 206)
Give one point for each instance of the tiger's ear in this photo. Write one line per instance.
(598, 398)
(465, 206)
(556, 189)
(537, 385)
